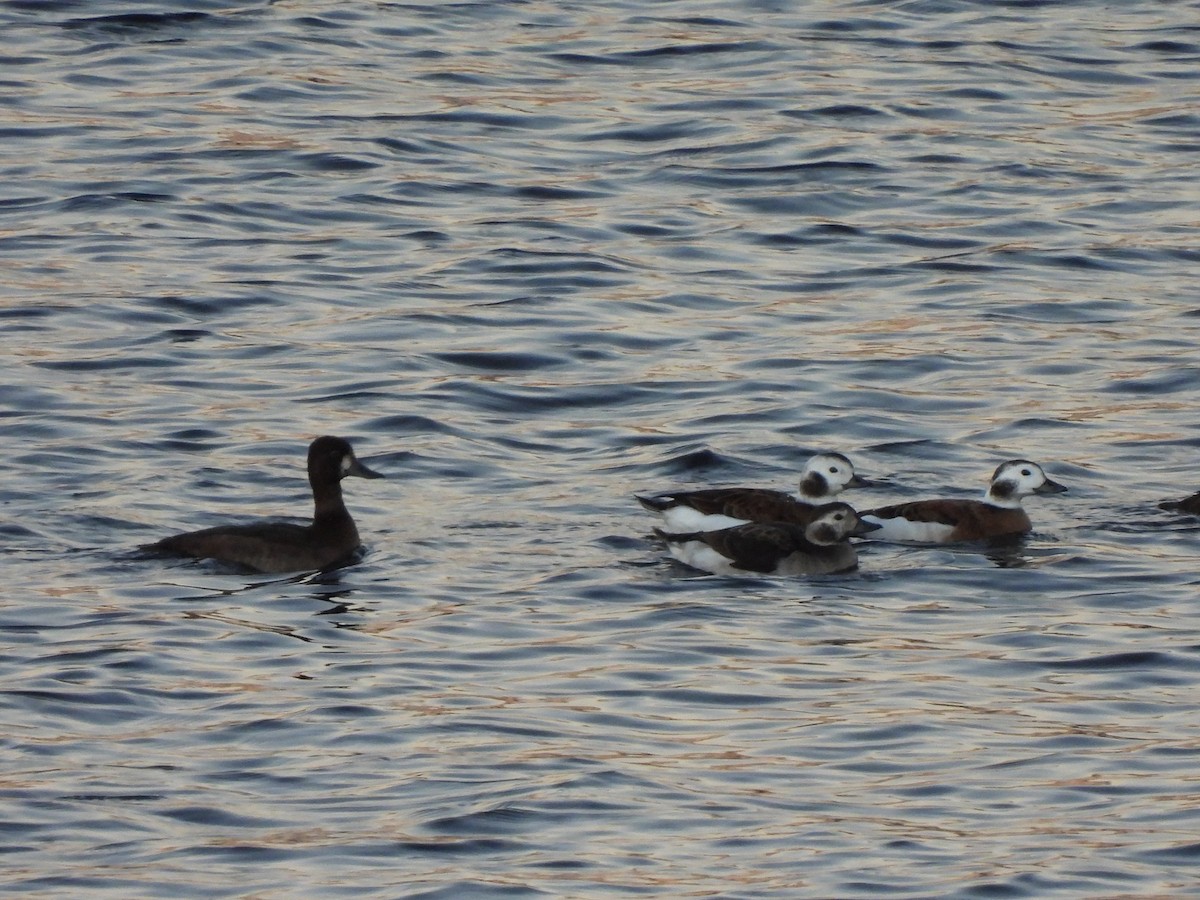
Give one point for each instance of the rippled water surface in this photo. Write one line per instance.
(532, 257)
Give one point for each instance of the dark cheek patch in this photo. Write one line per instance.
(1003, 490)
(814, 483)
(825, 534)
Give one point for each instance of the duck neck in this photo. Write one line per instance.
(327, 501)
(1004, 499)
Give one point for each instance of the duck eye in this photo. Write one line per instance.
(1026, 472)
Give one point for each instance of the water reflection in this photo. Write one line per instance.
(556, 253)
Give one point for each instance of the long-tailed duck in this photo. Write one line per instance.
(780, 548)
(941, 521)
(824, 477)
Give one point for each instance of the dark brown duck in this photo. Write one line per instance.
(331, 538)
(1186, 505)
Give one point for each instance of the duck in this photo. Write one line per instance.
(942, 521)
(270, 547)
(775, 548)
(824, 476)
(1186, 505)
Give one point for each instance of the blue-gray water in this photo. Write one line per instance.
(533, 257)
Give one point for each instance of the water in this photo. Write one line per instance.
(532, 258)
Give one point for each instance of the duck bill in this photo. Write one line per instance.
(357, 468)
(1050, 487)
(865, 528)
(857, 481)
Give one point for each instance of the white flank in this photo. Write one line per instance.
(904, 531)
(699, 555)
(683, 519)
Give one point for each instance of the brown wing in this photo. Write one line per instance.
(262, 546)
(222, 540)
(972, 519)
(944, 512)
(755, 547)
(752, 504)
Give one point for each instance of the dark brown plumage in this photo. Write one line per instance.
(777, 548)
(824, 476)
(1186, 505)
(331, 538)
(751, 504)
(940, 520)
(971, 520)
